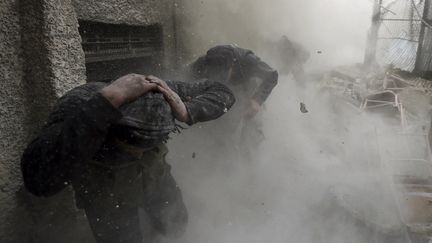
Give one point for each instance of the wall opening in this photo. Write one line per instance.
(113, 50)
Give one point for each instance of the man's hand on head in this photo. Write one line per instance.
(127, 89)
(161, 83)
(177, 105)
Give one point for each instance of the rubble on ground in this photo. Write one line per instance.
(407, 98)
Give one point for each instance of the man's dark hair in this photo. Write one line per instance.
(219, 60)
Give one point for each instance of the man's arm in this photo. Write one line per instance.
(204, 100)
(257, 68)
(75, 132)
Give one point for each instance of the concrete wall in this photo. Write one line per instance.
(53, 64)
(11, 115)
(54, 59)
(40, 59)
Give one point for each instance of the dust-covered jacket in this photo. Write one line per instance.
(83, 121)
(245, 65)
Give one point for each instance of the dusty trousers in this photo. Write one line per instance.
(112, 197)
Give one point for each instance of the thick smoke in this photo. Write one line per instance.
(291, 191)
(337, 28)
(319, 176)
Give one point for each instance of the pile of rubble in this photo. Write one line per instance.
(408, 99)
(377, 90)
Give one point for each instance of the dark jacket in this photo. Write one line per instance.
(289, 57)
(246, 65)
(83, 121)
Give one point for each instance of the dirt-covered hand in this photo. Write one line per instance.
(177, 105)
(127, 89)
(158, 81)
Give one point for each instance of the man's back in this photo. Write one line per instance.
(107, 141)
(238, 67)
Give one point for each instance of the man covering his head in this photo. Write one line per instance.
(108, 142)
(252, 81)
(237, 67)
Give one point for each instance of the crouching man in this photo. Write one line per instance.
(108, 142)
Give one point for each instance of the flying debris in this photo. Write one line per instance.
(303, 108)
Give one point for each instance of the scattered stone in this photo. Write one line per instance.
(303, 108)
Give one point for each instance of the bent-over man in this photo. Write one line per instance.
(108, 142)
(252, 80)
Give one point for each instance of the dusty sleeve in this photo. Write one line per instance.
(75, 131)
(204, 100)
(255, 67)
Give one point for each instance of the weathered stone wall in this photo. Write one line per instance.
(132, 12)
(54, 59)
(41, 58)
(64, 45)
(12, 132)
(54, 64)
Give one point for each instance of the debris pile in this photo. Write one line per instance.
(407, 99)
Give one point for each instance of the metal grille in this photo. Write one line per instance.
(399, 34)
(107, 42)
(113, 50)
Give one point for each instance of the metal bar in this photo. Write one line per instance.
(378, 106)
(411, 18)
(105, 58)
(407, 20)
(113, 42)
(396, 38)
(388, 10)
(370, 54)
(422, 35)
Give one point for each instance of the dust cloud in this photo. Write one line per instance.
(337, 28)
(297, 188)
(316, 177)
